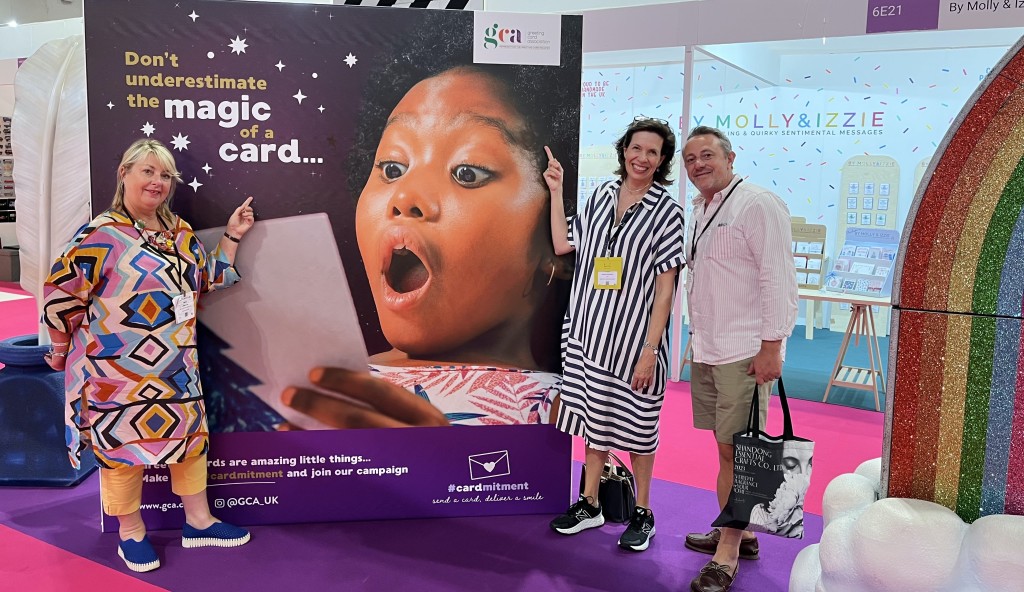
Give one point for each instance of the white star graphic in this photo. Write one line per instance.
(238, 45)
(195, 184)
(350, 59)
(147, 129)
(279, 65)
(194, 16)
(207, 168)
(180, 142)
(299, 96)
(110, 105)
(320, 108)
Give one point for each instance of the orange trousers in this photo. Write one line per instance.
(121, 488)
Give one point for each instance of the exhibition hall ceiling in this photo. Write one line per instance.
(768, 53)
(913, 40)
(764, 62)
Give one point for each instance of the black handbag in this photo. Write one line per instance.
(617, 492)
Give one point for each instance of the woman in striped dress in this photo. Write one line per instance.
(628, 241)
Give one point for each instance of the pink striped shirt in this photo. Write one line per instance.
(742, 283)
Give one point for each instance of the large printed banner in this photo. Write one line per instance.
(395, 161)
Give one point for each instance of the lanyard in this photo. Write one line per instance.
(178, 272)
(615, 229)
(696, 237)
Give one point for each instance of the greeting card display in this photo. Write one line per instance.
(863, 263)
(808, 253)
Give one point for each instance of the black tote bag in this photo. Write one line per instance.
(771, 475)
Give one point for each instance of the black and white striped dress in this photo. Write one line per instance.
(604, 330)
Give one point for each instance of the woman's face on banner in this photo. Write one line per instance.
(449, 222)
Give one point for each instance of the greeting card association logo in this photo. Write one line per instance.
(495, 36)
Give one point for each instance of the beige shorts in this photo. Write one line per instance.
(721, 398)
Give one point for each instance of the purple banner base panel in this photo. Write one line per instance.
(379, 474)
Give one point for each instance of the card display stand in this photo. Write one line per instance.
(809, 254)
(864, 263)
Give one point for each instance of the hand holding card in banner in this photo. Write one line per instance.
(770, 478)
(357, 400)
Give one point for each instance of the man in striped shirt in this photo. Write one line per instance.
(742, 295)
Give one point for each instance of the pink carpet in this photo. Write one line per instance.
(17, 317)
(32, 565)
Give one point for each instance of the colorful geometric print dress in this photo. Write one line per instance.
(131, 379)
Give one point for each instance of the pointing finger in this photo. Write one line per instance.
(247, 202)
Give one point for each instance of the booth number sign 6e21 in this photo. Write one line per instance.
(887, 10)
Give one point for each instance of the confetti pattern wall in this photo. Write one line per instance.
(611, 98)
(784, 132)
(955, 422)
(796, 135)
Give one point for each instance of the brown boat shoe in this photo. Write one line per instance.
(708, 543)
(714, 577)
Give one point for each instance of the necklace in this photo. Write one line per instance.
(636, 191)
(140, 224)
(162, 240)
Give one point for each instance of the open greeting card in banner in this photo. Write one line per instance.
(266, 330)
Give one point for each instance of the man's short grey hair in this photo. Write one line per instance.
(706, 130)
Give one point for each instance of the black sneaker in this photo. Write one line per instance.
(580, 516)
(640, 531)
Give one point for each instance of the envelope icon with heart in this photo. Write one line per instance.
(488, 464)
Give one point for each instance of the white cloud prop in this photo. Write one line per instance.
(906, 545)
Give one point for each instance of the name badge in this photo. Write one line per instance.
(608, 273)
(184, 307)
(688, 282)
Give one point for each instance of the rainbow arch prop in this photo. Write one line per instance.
(955, 419)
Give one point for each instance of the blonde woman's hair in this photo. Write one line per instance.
(138, 152)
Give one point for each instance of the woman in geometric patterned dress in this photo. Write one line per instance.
(119, 306)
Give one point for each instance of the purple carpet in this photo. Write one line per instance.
(498, 553)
